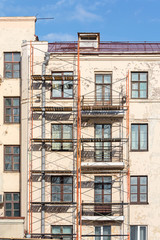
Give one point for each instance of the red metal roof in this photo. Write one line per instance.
(107, 47)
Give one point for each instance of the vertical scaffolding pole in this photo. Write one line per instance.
(79, 199)
(127, 136)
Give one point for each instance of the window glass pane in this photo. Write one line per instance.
(56, 131)
(143, 137)
(98, 189)
(8, 214)
(8, 196)
(99, 95)
(107, 78)
(16, 74)
(8, 111)
(16, 119)
(8, 119)
(143, 233)
(68, 89)
(15, 111)
(16, 57)
(134, 86)
(134, 76)
(7, 149)
(8, 67)
(67, 188)
(56, 229)
(98, 179)
(134, 94)
(8, 166)
(133, 189)
(67, 197)
(16, 213)
(99, 78)
(98, 131)
(16, 150)
(107, 131)
(8, 57)
(98, 232)
(143, 198)
(56, 180)
(57, 89)
(67, 180)
(16, 66)
(107, 179)
(133, 180)
(67, 230)
(143, 180)
(16, 166)
(8, 206)
(107, 198)
(107, 231)
(8, 102)
(133, 197)
(143, 76)
(16, 196)
(67, 131)
(16, 206)
(16, 102)
(8, 75)
(56, 197)
(134, 137)
(8, 158)
(143, 189)
(134, 232)
(98, 198)
(56, 189)
(107, 93)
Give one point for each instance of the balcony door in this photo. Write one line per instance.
(103, 89)
(103, 195)
(103, 149)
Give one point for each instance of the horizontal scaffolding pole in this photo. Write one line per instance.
(82, 140)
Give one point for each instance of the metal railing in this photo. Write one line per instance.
(111, 153)
(102, 209)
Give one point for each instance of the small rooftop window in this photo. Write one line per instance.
(89, 40)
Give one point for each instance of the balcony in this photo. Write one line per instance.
(102, 212)
(106, 157)
(92, 107)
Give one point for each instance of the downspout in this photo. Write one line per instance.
(45, 63)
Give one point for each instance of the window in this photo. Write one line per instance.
(139, 137)
(62, 232)
(11, 110)
(101, 231)
(62, 132)
(11, 158)
(12, 65)
(103, 88)
(61, 189)
(139, 189)
(138, 232)
(103, 189)
(139, 84)
(103, 149)
(62, 85)
(12, 204)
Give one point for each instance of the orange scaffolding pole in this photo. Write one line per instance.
(78, 148)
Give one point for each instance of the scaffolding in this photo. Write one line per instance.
(86, 153)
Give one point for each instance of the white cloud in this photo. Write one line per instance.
(52, 37)
(83, 15)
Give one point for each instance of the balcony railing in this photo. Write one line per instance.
(111, 153)
(102, 209)
(92, 103)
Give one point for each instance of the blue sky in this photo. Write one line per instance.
(116, 20)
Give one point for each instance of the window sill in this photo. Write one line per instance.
(147, 203)
(139, 150)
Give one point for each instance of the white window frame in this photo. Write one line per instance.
(139, 226)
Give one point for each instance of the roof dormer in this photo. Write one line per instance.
(89, 40)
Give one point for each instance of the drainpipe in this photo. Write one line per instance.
(45, 63)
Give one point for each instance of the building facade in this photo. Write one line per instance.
(89, 138)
